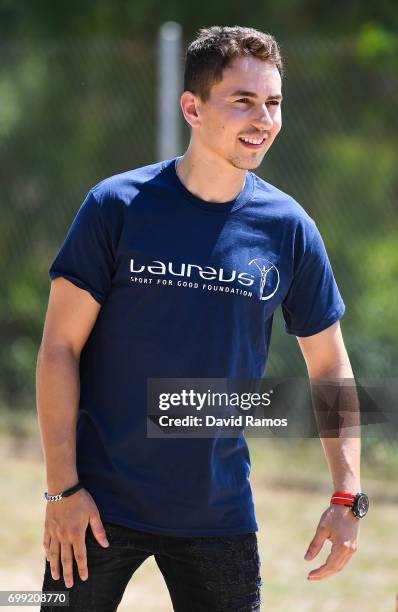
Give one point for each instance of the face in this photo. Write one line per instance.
(244, 105)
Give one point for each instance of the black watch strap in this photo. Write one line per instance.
(65, 493)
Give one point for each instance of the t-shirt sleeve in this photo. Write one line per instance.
(86, 257)
(313, 301)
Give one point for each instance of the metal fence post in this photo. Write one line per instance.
(169, 90)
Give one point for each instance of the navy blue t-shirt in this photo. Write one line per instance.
(188, 289)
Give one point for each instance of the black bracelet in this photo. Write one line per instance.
(65, 493)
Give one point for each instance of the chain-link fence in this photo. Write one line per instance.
(72, 114)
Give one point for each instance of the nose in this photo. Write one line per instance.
(262, 119)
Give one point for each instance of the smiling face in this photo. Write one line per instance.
(244, 105)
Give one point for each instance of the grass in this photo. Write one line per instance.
(291, 487)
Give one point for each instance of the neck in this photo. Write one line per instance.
(210, 178)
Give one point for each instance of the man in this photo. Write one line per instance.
(139, 291)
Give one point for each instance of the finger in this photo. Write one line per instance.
(323, 572)
(46, 544)
(67, 563)
(98, 530)
(80, 552)
(320, 573)
(53, 554)
(336, 560)
(316, 544)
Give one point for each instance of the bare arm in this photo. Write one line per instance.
(326, 359)
(71, 315)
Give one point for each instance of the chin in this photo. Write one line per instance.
(246, 164)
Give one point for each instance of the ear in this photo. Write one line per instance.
(190, 105)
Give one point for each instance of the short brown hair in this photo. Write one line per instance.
(215, 47)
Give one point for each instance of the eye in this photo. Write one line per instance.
(273, 102)
(243, 101)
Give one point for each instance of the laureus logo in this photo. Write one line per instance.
(269, 278)
(264, 271)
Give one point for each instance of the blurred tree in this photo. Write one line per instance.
(77, 90)
(119, 18)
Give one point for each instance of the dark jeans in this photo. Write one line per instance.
(202, 574)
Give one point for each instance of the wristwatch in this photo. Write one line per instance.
(359, 502)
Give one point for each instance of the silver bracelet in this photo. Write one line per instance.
(65, 493)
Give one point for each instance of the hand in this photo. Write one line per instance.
(339, 525)
(64, 534)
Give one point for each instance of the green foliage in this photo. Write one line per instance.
(74, 112)
(44, 19)
(376, 44)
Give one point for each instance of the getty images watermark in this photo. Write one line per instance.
(295, 407)
(216, 401)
